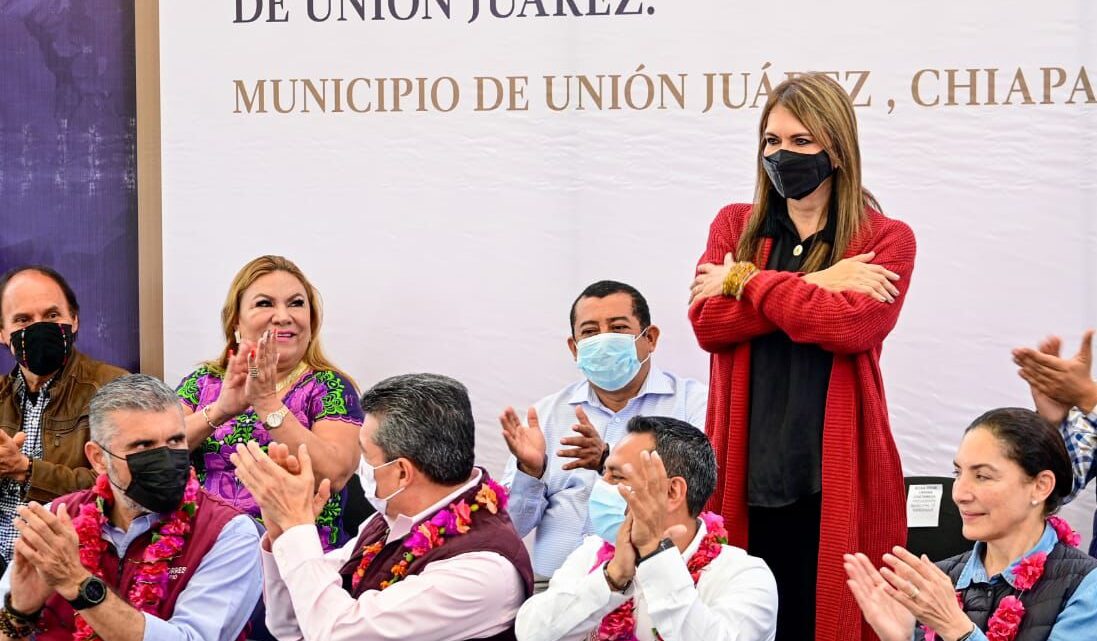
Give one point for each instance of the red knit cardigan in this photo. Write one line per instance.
(863, 506)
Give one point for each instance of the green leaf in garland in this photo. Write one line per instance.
(190, 508)
(156, 537)
(409, 557)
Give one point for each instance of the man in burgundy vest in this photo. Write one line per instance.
(439, 561)
(145, 554)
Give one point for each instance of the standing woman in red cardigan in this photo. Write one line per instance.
(793, 298)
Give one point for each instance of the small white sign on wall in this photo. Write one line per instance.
(924, 505)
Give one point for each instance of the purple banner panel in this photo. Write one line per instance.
(68, 184)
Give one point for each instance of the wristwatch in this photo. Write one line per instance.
(92, 592)
(274, 419)
(665, 544)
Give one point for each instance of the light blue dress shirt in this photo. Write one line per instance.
(1078, 620)
(556, 503)
(221, 594)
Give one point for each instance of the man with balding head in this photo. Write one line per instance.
(44, 401)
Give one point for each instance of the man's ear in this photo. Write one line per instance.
(406, 470)
(677, 494)
(96, 456)
(652, 334)
(75, 323)
(574, 347)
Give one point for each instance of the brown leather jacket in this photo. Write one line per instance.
(63, 467)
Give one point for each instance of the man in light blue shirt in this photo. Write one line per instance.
(83, 559)
(612, 341)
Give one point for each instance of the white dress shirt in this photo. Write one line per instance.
(471, 595)
(734, 600)
(556, 503)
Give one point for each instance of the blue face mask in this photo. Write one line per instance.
(609, 360)
(607, 510)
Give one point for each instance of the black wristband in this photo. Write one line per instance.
(30, 618)
(968, 635)
(664, 545)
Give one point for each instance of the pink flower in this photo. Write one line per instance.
(605, 553)
(1029, 571)
(929, 633)
(1006, 619)
(445, 520)
(488, 498)
(1010, 610)
(463, 515)
(418, 543)
(500, 493)
(619, 625)
(102, 488)
(714, 523)
(1067, 535)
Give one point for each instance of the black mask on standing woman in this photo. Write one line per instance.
(796, 175)
(44, 347)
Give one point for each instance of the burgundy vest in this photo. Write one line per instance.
(489, 533)
(58, 617)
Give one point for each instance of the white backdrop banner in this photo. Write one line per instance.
(451, 173)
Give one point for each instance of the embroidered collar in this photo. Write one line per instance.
(975, 572)
(658, 383)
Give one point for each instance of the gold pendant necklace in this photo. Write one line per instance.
(292, 377)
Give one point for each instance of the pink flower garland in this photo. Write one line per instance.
(1006, 620)
(424, 537)
(620, 625)
(1067, 535)
(150, 583)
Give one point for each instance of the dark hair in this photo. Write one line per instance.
(604, 288)
(49, 272)
(686, 452)
(1031, 442)
(427, 419)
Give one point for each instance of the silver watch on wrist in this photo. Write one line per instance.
(274, 419)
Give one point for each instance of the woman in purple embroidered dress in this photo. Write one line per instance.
(272, 382)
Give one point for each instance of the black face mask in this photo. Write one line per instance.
(796, 175)
(44, 347)
(158, 477)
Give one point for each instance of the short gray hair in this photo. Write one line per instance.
(133, 392)
(427, 419)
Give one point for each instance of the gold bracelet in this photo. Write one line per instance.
(16, 627)
(209, 421)
(737, 279)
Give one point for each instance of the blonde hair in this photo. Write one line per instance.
(314, 356)
(824, 108)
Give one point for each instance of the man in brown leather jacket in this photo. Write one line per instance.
(44, 401)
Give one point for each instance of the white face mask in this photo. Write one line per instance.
(369, 485)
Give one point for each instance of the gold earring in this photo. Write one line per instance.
(236, 335)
